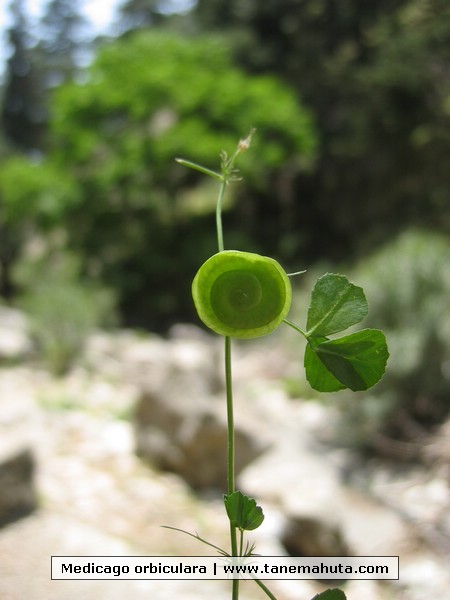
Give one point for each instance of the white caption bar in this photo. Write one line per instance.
(210, 567)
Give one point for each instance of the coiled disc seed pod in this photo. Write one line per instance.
(241, 294)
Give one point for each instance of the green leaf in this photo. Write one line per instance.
(336, 304)
(357, 360)
(331, 594)
(243, 511)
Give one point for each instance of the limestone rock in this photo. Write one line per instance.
(187, 435)
(323, 515)
(307, 536)
(26, 547)
(180, 418)
(17, 491)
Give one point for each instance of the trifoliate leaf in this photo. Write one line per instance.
(336, 304)
(243, 511)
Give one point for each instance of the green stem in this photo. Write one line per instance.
(227, 172)
(230, 417)
(296, 327)
(231, 453)
(219, 228)
(229, 393)
(265, 589)
(241, 542)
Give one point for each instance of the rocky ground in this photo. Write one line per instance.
(95, 462)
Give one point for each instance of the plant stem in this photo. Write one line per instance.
(219, 228)
(231, 452)
(230, 417)
(296, 327)
(229, 393)
(227, 174)
(265, 589)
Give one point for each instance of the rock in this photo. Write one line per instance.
(180, 418)
(150, 361)
(26, 548)
(419, 494)
(307, 486)
(19, 418)
(17, 491)
(306, 536)
(190, 442)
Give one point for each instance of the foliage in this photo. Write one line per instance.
(62, 41)
(356, 360)
(161, 82)
(63, 310)
(147, 99)
(408, 287)
(22, 115)
(376, 76)
(33, 192)
(138, 14)
(243, 512)
(331, 594)
(33, 198)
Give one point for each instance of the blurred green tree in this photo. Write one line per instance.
(23, 113)
(33, 198)
(376, 76)
(63, 309)
(407, 283)
(149, 98)
(138, 14)
(62, 42)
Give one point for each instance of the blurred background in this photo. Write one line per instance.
(101, 232)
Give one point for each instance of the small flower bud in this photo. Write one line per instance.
(245, 144)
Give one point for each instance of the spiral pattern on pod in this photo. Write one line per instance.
(241, 294)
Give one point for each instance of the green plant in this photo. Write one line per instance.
(34, 195)
(372, 72)
(63, 310)
(407, 282)
(244, 295)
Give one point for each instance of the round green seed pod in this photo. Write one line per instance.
(241, 294)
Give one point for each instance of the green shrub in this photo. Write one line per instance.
(147, 99)
(34, 195)
(408, 288)
(63, 311)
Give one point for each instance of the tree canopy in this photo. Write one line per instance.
(376, 76)
(22, 114)
(146, 100)
(350, 99)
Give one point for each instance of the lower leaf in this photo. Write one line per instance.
(356, 361)
(331, 594)
(243, 511)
